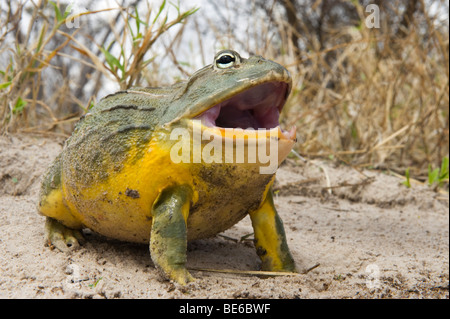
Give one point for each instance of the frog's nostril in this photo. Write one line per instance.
(257, 59)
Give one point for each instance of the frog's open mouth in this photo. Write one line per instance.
(256, 108)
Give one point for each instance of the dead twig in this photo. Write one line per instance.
(248, 272)
(311, 268)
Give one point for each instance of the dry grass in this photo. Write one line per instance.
(379, 109)
(52, 68)
(367, 97)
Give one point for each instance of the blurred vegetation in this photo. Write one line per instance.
(55, 62)
(374, 97)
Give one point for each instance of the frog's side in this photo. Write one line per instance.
(116, 176)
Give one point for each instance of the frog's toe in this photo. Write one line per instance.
(62, 237)
(181, 276)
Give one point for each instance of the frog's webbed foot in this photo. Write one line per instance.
(62, 237)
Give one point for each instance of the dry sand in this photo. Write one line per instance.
(370, 238)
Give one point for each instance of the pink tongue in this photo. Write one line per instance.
(209, 117)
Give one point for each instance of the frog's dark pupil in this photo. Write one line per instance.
(225, 59)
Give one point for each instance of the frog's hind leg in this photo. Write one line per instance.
(62, 237)
(61, 225)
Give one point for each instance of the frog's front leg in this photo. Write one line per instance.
(168, 239)
(270, 239)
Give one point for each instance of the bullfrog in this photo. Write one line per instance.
(136, 167)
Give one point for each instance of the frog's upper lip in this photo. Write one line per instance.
(258, 107)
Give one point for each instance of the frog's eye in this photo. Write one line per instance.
(225, 60)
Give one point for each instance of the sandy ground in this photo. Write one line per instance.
(371, 237)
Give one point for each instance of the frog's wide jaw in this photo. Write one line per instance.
(256, 108)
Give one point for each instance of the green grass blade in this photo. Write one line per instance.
(68, 10)
(137, 20)
(58, 14)
(5, 85)
(161, 8)
(20, 105)
(433, 175)
(41, 37)
(112, 61)
(443, 175)
(407, 182)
